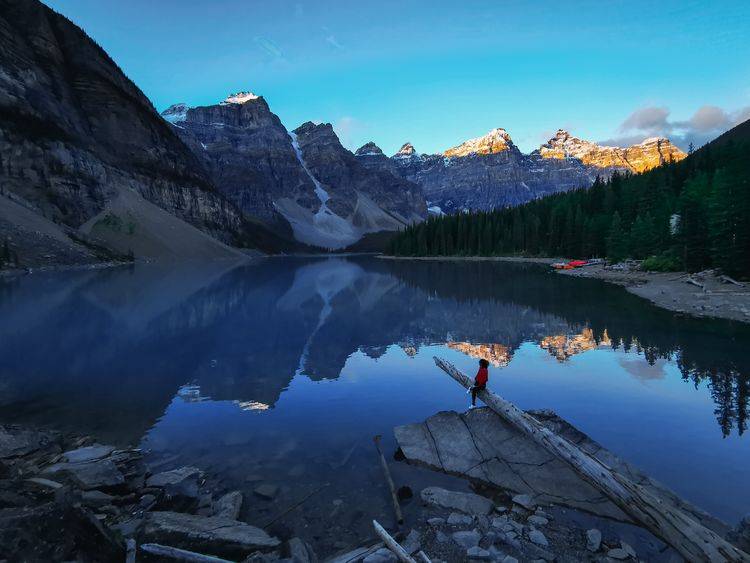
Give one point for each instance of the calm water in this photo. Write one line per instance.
(284, 370)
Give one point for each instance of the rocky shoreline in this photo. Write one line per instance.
(65, 498)
(713, 297)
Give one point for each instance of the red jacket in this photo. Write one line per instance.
(482, 377)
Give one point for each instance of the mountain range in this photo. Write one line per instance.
(89, 171)
(490, 171)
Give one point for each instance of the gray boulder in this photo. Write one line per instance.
(229, 505)
(98, 474)
(214, 535)
(465, 502)
(467, 539)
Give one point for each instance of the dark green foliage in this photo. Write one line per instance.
(662, 263)
(691, 215)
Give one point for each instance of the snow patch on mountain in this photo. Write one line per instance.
(175, 113)
(239, 98)
(497, 140)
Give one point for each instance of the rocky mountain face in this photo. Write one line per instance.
(76, 135)
(644, 156)
(303, 180)
(490, 171)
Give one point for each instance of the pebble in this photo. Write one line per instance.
(477, 552)
(467, 539)
(525, 500)
(618, 553)
(628, 549)
(538, 538)
(436, 521)
(456, 519)
(538, 520)
(593, 540)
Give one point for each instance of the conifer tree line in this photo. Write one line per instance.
(690, 215)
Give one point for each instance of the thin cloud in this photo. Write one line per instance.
(272, 51)
(347, 128)
(331, 40)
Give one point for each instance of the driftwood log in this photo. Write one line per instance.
(389, 481)
(392, 544)
(168, 552)
(692, 540)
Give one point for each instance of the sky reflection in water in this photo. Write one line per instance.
(286, 368)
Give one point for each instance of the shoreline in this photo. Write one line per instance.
(668, 290)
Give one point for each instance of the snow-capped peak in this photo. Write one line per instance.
(239, 98)
(497, 140)
(406, 150)
(175, 113)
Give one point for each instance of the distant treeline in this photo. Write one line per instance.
(691, 215)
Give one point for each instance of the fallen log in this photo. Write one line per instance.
(392, 544)
(691, 539)
(389, 480)
(692, 281)
(180, 554)
(130, 548)
(727, 279)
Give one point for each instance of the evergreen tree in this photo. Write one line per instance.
(617, 242)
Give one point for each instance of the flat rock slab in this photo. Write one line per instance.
(88, 453)
(218, 536)
(91, 475)
(229, 505)
(454, 500)
(173, 477)
(481, 446)
(15, 442)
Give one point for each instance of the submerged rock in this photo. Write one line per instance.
(479, 445)
(740, 536)
(465, 502)
(229, 505)
(16, 442)
(98, 474)
(266, 491)
(202, 533)
(88, 453)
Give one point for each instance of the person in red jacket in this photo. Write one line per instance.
(480, 381)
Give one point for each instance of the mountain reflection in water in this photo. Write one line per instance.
(291, 360)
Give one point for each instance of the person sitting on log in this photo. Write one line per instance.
(480, 381)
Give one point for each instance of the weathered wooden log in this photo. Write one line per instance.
(423, 556)
(692, 540)
(389, 480)
(295, 505)
(727, 279)
(180, 554)
(130, 547)
(692, 281)
(392, 544)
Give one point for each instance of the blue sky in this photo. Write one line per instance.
(436, 73)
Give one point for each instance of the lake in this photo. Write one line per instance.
(282, 370)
